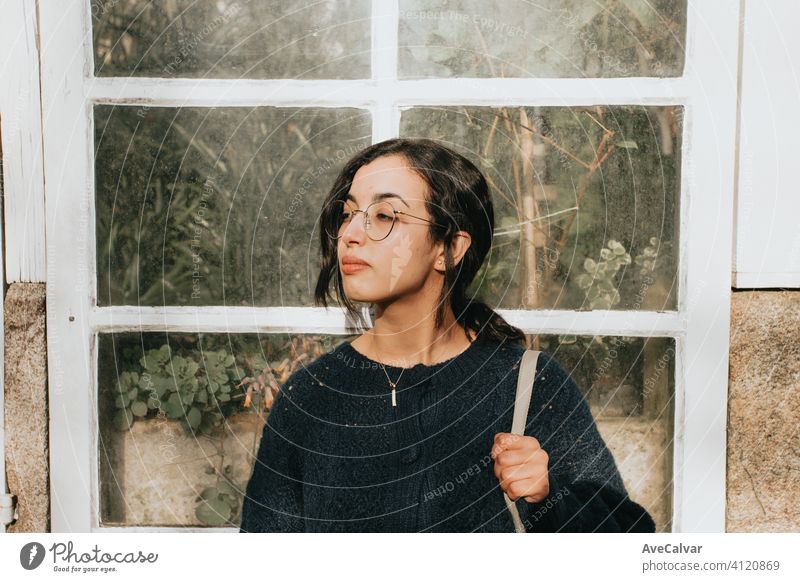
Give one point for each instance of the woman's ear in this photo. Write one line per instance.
(458, 247)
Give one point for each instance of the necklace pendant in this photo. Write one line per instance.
(394, 398)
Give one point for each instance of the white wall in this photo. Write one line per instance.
(767, 239)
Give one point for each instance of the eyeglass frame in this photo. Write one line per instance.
(367, 224)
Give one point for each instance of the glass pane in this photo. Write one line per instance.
(215, 206)
(232, 39)
(629, 384)
(586, 201)
(178, 434)
(547, 38)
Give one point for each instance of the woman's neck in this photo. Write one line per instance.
(396, 340)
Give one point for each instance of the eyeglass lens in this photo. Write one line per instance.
(379, 218)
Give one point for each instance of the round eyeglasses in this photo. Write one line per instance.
(379, 218)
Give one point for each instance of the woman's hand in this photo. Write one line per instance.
(520, 465)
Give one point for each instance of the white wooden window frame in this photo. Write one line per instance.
(21, 135)
(699, 326)
(23, 228)
(767, 249)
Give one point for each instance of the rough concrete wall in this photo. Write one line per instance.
(763, 474)
(26, 406)
(643, 452)
(158, 471)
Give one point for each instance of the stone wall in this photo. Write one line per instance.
(763, 474)
(27, 447)
(643, 452)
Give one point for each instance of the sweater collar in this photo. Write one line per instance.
(478, 357)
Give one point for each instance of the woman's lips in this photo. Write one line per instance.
(350, 268)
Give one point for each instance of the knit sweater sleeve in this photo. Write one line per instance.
(587, 493)
(274, 494)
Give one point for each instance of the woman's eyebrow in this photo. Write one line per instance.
(381, 196)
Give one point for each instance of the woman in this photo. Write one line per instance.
(405, 429)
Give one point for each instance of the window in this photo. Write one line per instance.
(188, 147)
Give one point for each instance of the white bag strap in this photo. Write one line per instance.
(527, 375)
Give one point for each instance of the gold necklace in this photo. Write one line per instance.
(392, 384)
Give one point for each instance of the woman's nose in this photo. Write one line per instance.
(356, 230)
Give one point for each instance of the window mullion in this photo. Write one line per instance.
(223, 319)
(386, 90)
(237, 92)
(385, 21)
(604, 322)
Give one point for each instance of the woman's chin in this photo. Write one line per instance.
(364, 293)
(360, 294)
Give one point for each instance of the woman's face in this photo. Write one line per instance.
(403, 263)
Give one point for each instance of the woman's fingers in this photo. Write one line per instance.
(520, 456)
(504, 441)
(520, 465)
(533, 490)
(519, 472)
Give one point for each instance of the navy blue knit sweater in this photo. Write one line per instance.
(336, 456)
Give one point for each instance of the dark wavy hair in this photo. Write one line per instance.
(458, 198)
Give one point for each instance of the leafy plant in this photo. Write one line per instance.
(201, 388)
(650, 258)
(599, 279)
(196, 390)
(217, 505)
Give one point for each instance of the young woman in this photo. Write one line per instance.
(405, 429)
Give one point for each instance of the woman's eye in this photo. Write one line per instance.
(383, 217)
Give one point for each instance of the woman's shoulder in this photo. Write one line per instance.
(301, 380)
(552, 380)
(313, 375)
(510, 353)
(297, 400)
